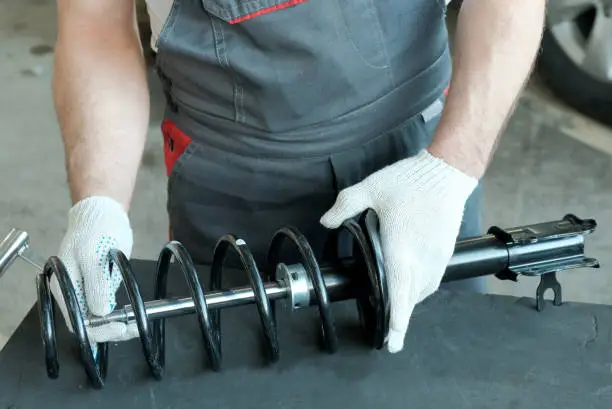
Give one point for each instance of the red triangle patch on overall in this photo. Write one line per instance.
(175, 143)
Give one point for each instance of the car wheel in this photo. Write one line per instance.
(575, 60)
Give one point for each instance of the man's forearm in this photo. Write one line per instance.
(101, 98)
(496, 43)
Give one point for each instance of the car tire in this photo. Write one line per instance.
(565, 79)
(571, 83)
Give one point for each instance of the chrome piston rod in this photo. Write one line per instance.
(338, 288)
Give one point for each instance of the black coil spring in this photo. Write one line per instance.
(372, 299)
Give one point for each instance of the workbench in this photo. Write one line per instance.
(463, 350)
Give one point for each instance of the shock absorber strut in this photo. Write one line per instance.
(540, 249)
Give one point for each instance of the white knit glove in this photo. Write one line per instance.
(419, 202)
(95, 225)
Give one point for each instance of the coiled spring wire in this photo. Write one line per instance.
(372, 303)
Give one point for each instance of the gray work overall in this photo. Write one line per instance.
(274, 106)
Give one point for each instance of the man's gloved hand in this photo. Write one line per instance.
(419, 202)
(95, 226)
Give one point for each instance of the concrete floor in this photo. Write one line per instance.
(550, 161)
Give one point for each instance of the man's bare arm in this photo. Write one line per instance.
(101, 97)
(496, 43)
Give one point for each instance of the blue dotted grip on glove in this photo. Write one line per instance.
(105, 244)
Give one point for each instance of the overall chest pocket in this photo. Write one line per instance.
(280, 65)
(355, 24)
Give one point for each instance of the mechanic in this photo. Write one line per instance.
(288, 112)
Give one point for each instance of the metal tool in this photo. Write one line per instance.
(17, 245)
(540, 249)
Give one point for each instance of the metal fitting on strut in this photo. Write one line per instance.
(295, 279)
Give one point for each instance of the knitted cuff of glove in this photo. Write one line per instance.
(87, 211)
(433, 174)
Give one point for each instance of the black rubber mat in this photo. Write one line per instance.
(462, 351)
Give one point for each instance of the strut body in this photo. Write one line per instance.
(540, 249)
